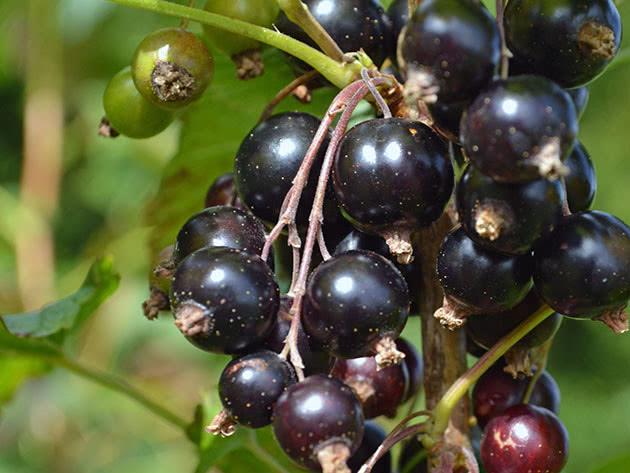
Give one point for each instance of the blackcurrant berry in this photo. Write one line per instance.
(380, 391)
(410, 177)
(250, 386)
(478, 280)
(582, 268)
(451, 46)
(356, 304)
(172, 67)
(524, 438)
(507, 217)
(128, 112)
(581, 181)
(568, 41)
(414, 364)
(373, 436)
(448, 116)
(580, 99)
(318, 423)
(224, 300)
(398, 13)
(520, 129)
(497, 390)
(220, 226)
(223, 192)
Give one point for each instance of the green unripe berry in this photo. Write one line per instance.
(128, 112)
(172, 68)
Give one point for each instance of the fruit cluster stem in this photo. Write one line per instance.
(505, 52)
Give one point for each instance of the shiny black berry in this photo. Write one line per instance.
(581, 181)
(380, 391)
(220, 226)
(356, 304)
(524, 438)
(373, 436)
(318, 423)
(568, 41)
(223, 192)
(453, 45)
(448, 116)
(507, 217)
(224, 300)
(520, 129)
(580, 99)
(250, 386)
(582, 268)
(398, 13)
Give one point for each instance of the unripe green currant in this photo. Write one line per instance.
(172, 68)
(128, 112)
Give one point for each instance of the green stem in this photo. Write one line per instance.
(442, 411)
(336, 72)
(118, 385)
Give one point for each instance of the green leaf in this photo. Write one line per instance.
(16, 370)
(213, 129)
(71, 311)
(12, 345)
(616, 465)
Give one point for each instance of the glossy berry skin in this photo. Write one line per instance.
(580, 99)
(507, 217)
(261, 13)
(398, 13)
(581, 181)
(456, 43)
(353, 301)
(220, 226)
(569, 41)
(448, 116)
(373, 436)
(353, 24)
(128, 112)
(524, 438)
(237, 292)
(582, 268)
(223, 192)
(497, 390)
(512, 125)
(479, 279)
(267, 161)
(380, 391)
(181, 51)
(314, 413)
(249, 387)
(415, 366)
(408, 170)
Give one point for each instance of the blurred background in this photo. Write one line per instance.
(68, 196)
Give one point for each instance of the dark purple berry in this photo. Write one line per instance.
(318, 423)
(224, 300)
(356, 304)
(452, 46)
(524, 438)
(507, 217)
(415, 366)
(223, 192)
(581, 181)
(497, 390)
(569, 41)
(380, 391)
(448, 116)
(398, 13)
(250, 386)
(520, 129)
(580, 99)
(582, 268)
(373, 436)
(220, 226)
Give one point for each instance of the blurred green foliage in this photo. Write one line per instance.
(127, 198)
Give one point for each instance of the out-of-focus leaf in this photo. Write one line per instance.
(617, 465)
(16, 370)
(212, 131)
(71, 311)
(12, 345)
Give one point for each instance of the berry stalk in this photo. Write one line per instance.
(505, 52)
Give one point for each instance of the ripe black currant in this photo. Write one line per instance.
(224, 300)
(356, 304)
(128, 112)
(524, 438)
(497, 390)
(520, 129)
(172, 68)
(398, 13)
(250, 386)
(568, 41)
(448, 116)
(452, 46)
(507, 217)
(380, 391)
(373, 436)
(580, 99)
(582, 268)
(581, 181)
(478, 280)
(223, 192)
(318, 423)
(414, 364)
(410, 177)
